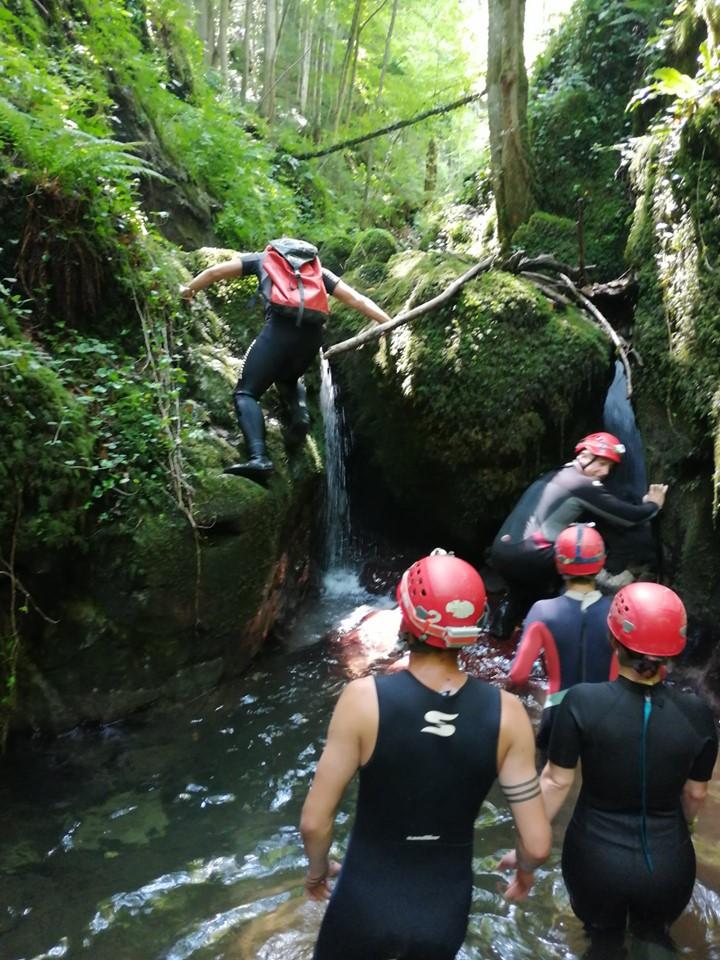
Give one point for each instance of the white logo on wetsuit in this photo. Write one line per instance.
(441, 725)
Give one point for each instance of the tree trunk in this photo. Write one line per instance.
(507, 115)
(222, 40)
(247, 51)
(307, 41)
(351, 84)
(347, 61)
(267, 104)
(431, 168)
(386, 55)
(210, 32)
(321, 69)
(205, 25)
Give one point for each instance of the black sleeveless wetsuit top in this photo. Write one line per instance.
(627, 850)
(406, 883)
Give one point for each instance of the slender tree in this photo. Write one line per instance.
(267, 104)
(349, 60)
(507, 88)
(386, 54)
(247, 51)
(222, 40)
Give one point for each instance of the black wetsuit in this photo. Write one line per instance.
(280, 354)
(627, 852)
(523, 550)
(406, 883)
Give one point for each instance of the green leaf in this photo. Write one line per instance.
(672, 83)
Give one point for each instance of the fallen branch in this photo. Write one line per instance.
(393, 126)
(545, 261)
(547, 286)
(605, 324)
(374, 333)
(561, 291)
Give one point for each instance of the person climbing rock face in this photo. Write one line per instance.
(429, 743)
(294, 287)
(570, 631)
(523, 550)
(647, 752)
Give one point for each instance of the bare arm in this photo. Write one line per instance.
(351, 298)
(519, 782)
(343, 754)
(693, 797)
(221, 271)
(555, 783)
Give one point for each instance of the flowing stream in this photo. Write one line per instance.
(174, 835)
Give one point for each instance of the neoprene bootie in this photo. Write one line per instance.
(257, 468)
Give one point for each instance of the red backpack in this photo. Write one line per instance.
(297, 289)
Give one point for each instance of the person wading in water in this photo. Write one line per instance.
(428, 742)
(647, 752)
(570, 630)
(523, 548)
(294, 287)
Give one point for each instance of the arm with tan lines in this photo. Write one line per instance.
(519, 782)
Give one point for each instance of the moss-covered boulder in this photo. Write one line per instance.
(373, 246)
(335, 251)
(547, 233)
(455, 411)
(162, 611)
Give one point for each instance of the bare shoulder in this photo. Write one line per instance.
(358, 695)
(515, 727)
(512, 711)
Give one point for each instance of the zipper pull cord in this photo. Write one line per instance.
(647, 710)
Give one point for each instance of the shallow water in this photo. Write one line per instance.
(175, 836)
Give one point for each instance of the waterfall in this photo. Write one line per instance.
(337, 534)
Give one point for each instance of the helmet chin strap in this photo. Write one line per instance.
(584, 466)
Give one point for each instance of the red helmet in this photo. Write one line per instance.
(601, 445)
(443, 601)
(579, 551)
(648, 618)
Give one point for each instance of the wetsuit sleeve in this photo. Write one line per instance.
(597, 499)
(614, 667)
(330, 280)
(565, 740)
(702, 768)
(534, 638)
(251, 264)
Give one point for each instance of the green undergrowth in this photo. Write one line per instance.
(579, 91)
(112, 385)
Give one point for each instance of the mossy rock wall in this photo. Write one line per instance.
(454, 413)
(672, 246)
(165, 612)
(144, 605)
